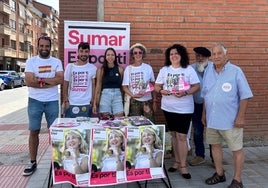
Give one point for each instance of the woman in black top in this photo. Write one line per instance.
(108, 97)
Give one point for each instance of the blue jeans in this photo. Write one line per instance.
(37, 108)
(198, 130)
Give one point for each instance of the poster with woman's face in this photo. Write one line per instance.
(144, 151)
(70, 150)
(108, 155)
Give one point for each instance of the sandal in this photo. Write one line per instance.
(175, 167)
(235, 184)
(215, 179)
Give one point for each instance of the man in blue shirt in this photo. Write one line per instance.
(202, 55)
(226, 93)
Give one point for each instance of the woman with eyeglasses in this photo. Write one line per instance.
(138, 76)
(108, 96)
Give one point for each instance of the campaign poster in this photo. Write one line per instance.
(100, 36)
(70, 155)
(145, 152)
(108, 156)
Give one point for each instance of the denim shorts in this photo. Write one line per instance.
(78, 111)
(111, 101)
(37, 108)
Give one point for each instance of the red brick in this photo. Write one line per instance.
(242, 26)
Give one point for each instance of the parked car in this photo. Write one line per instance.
(2, 84)
(11, 78)
(22, 74)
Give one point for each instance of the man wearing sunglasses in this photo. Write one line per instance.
(79, 84)
(43, 74)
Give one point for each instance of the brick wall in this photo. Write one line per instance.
(241, 25)
(75, 10)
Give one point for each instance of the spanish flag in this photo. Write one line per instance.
(44, 69)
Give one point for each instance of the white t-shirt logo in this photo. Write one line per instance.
(226, 87)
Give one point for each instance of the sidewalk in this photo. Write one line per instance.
(14, 158)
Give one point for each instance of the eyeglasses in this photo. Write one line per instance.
(140, 52)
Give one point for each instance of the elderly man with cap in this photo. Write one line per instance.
(202, 55)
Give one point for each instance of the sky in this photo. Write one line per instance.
(52, 3)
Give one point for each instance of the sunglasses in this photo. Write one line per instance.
(140, 52)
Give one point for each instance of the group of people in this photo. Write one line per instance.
(88, 90)
(212, 94)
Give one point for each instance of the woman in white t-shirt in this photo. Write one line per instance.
(138, 77)
(176, 82)
(150, 149)
(75, 153)
(114, 157)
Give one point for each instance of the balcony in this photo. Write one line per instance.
(5, 29)
(5, 8)
(28, 21)
(28, 38)
(13, 35)
(21, 37)
(7, 52)
(45, 30)
(27, 55)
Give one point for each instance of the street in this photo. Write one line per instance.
(13, 105)
(13, 100)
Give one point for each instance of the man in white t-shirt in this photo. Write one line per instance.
(79, 84)
(43, 74)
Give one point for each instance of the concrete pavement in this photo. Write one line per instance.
(14, 158)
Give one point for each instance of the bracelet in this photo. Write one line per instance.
(66, 101)
(155, 100)
(41, 83)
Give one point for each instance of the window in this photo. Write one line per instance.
(12, 24)
(13, 44)
(22, 11)
(21, 46)
(21, 28)
(12, 5)
(31, 49)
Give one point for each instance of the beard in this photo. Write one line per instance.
(44, 53)
(201, 66)
(83, 58)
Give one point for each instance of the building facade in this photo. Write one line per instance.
(22, 22)
(240, 25)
